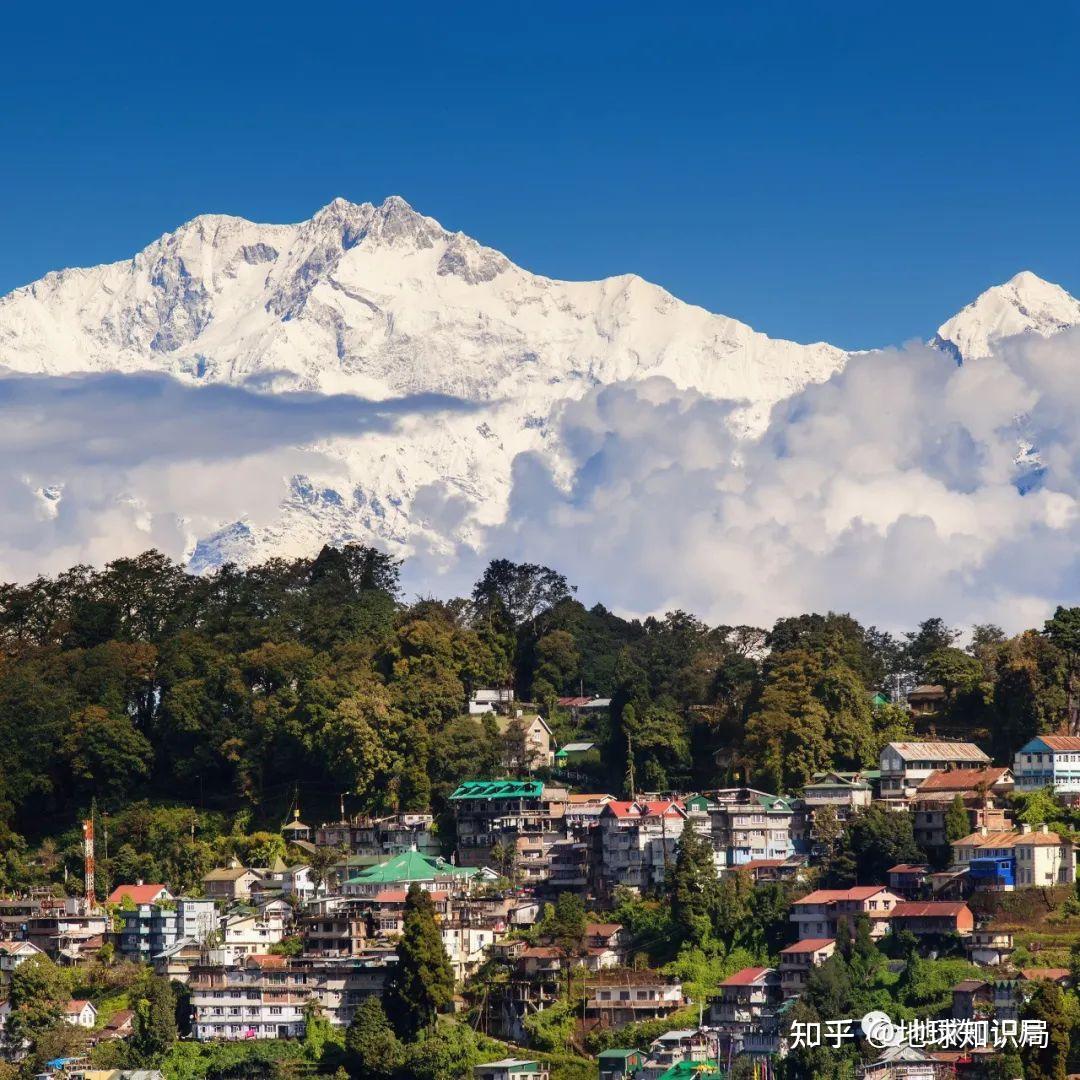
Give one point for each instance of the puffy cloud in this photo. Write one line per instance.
(896, 490)
(92, 467)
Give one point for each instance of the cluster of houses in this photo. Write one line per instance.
(260, 944)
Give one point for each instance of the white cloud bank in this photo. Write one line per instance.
(97, 466)
(892, 491)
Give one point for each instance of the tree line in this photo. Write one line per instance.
(192, 712)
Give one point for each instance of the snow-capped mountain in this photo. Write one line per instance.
(1024, 303)
(381, 301)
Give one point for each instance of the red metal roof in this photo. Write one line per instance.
(1047, 973)
(830, 896)
(909, 868)
(1061, 742)
(602, 929)
(746, 977)
(962, 779)
(809, 945)
(656, 808)
(140, 894)
(929, 908)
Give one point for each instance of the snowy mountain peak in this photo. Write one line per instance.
(379, 300)
(1024, 303)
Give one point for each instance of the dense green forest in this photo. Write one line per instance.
(191, 712)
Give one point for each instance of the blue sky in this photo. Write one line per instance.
(847, 172)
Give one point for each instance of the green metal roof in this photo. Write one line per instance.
(499, 789)
(409, 866)
(694, 1070)
(618, 1054)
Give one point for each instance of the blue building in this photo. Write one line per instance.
(993, 872)
(1048, 761)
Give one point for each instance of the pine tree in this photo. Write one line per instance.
(957, 825)
(374, 1050)
(692, 885)
(423, 981)
(1047, 1004)
(155, 1019)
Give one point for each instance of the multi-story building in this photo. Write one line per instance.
(990, 947)
(343, 927)
(623, 996)
(744, 1001)
(747, 825)
(929, 813)
(68, 932)
(382, 836)
(1049, 761)
(259, 998)
(844, 793)
(149, 929)
(1026, 856)
(254, 932)
(798, 960)
(491, 815)
(637, 842)
(263, 997)
(818, 914)
(905, 765)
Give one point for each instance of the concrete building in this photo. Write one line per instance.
(637, 843)
(817, 914)
(746, 825)
(905, 765)
(1049, 761)
(149, 929)
(744, 1000)
(932, 917)
(615, 998)
(798, 960)
(1025, 856)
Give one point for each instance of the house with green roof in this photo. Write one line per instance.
(694, 1070)
(620, 1063)
(748, 825)
(490, 812)
(402, 870)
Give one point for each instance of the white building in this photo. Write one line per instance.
(252, 933)
(638, 842)
(905, 765)
(1049, 761)
(80, 1013)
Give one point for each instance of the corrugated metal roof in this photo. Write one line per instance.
(941, 751)
(746, 977)
(498, 789)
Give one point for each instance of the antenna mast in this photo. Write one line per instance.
(88, 862)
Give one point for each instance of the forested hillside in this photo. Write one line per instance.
(193, 712)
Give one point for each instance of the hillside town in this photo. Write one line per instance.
(278, 822)
(526, 906)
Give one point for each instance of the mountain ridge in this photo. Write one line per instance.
(382, 301)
